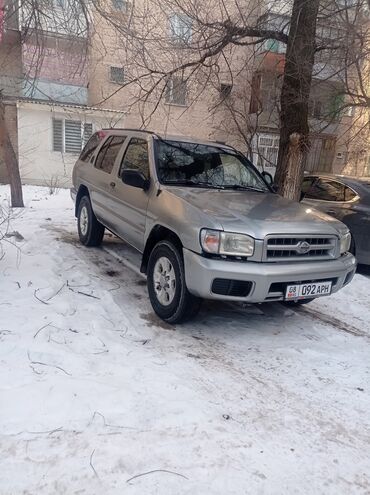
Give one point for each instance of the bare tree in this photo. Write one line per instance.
(295, 96)
(216, 32)
(11, 161)
(166, 43)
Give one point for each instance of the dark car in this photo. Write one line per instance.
(348, 200)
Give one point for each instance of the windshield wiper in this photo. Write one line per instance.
(240, 187)
(189, 182)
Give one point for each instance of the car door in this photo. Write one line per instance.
(130, 203)
(330, 196)
(101, 180)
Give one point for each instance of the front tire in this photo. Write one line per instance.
(168, 293)
(90, 230)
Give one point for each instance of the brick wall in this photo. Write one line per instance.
(57, 61)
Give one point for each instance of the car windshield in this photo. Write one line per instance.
(199, 165)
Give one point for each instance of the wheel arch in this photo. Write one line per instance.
(157, 234)
(82, 191)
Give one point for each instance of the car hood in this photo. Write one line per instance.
(258, 214)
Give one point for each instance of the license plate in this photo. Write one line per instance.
(303, 291)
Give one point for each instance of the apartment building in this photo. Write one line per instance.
(63, 79)
(331, 121)
(186, 105)
(44, 82)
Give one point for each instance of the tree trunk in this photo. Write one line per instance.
(288, 187)
(295, 96)
(11, 162)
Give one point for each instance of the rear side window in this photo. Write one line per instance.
(108, 153)
(306, 184)
(326, 190)
(349, 194)
(136, 157)
(90, 147)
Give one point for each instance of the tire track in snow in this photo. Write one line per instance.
(332, 321)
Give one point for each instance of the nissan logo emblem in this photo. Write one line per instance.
(303, 247)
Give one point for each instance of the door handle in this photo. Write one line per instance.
(112, 185)
(330, 212)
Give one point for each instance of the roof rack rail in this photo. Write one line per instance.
(127, 129)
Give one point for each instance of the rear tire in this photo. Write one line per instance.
(90, 230)
(168, 293)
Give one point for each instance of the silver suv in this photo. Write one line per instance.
(207, 223)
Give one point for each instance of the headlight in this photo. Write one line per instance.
(345, 243)
(226, 243)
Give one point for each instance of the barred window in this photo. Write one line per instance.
(117, 75)
(70, 136)
(176, 91)
(57, 135)
(87, 132)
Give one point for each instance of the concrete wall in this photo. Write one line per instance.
(39, 164)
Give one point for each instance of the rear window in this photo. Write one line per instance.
(91, 146)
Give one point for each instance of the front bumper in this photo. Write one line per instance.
(268, 280)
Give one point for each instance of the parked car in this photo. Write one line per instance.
(206, 223)
(348, 200)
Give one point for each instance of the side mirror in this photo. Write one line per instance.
(269, 180)
(135, 178)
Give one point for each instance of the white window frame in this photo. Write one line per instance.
(267, 150)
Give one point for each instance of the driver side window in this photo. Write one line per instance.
(136, 157)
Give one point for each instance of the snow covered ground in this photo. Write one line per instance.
(97, 396)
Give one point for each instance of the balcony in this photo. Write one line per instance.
(52, 91)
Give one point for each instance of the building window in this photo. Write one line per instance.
(175, 93)
(87, 132)
(350, 111)
(315, 109)
(58, 135)
(59, 4)
(181, 28)
(117, 75)
(70, 136)
(120, 5)
(267, 150)
(274, 46)
(225, 90)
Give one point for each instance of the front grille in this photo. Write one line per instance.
(299, 247)
(235, 288)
